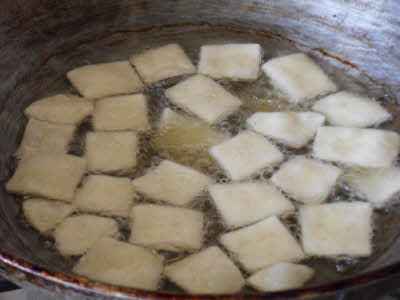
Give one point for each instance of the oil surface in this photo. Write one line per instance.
(256, 96)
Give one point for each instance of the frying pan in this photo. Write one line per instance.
(357, 41)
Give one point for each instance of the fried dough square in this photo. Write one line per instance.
(298, 77)
(167, 228)
(204, 98)
(245, 154)
(262, 244)
(207, 272)
(107, 79)
(120, 263)
(339, 228)
(128, 112)
(161, 63)
(53, 176)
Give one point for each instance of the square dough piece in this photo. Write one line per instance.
(245, 203)
(354, 146)
(279, 277)
(102, 80)
(294, 129)
(299, 77)
(262, 245)
(42, 137)
(77, 234)
(207, 272)
(49, 175)
(306, 180)
(350, 110)
(44, 214)
(172, 183)
(121, 113)
(166, 228)
(339, 228)
(120, 263)
(245, 154)
(204, 98)
(162, 63)
(64, 109)
(235, 61)
(186, 140)
(107, 195)
(111, 152)
(377, 185)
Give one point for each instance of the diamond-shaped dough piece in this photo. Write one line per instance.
(108, 79)
(186, 140)
(306, 180)
(377, 185)
(351, 110)
(172, 183)
(107, 195)
(111, 152)
(244, 203)
(121, 113)
(53, 176)
(235, 61)
(166, 228)
(162, 63)
(245, 154)
(298, 77)
(45, 137)
(44, 214)
(354, 146)
(262, 244)
(294, 129)
(339, 228)
(209, 271)
(76, 234)
(64, 109)
(120, 263)
(204, 98)
(282, 276)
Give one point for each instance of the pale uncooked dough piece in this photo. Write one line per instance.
(207, 272)
(53, 176)
(245, 154)
(111, 152)
(299, 77)
(262, 244)
(294, 129)
(64, 109)
(107, 195)
(339, 228)
(282, 276)
(162, 63)
(306, 180)
(172, 183)
(102, 80)
(204, 98)
(235, 61)
(357, 147)
(377, 185)
(121, 113)
(167, 228)
(351, 110)
(76, 234)
(45, 137)
(45, 214)
(185, 139)
(244, 203)
(120, 263)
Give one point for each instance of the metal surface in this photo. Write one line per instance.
(41, 40)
